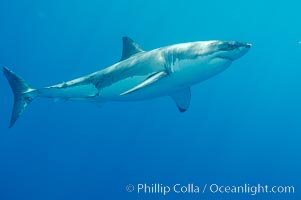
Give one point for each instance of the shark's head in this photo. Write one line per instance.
(209, 50)
(227, 50)
(201, 60)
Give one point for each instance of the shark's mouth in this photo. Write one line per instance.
(226, 58)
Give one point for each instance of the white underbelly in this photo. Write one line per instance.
(114, 91)
(186, 76)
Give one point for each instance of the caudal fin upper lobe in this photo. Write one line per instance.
(23, 94)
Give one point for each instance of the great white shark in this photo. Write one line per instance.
(166, 71)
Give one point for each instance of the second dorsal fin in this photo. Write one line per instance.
(129, 48)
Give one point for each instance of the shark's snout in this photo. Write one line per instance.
(232, 45)
(232, 50)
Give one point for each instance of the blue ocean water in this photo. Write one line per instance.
(243, 126)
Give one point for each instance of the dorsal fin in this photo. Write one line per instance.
(129, 48)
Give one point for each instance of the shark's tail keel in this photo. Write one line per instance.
(23, 94)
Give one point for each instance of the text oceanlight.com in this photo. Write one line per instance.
(191, 188)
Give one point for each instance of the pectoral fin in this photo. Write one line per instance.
(182, 98)
(150, 80)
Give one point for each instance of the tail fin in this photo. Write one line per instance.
(23, 94)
